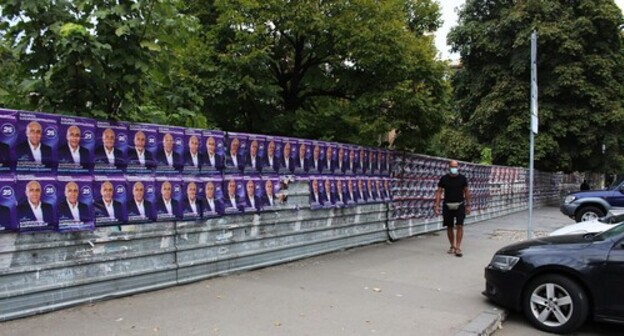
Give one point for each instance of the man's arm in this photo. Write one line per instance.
(467, 198)
(436, 204)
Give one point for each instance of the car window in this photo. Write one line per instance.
(612, 232)
(616, 183)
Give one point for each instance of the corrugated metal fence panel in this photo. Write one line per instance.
(46, 271)
(217, 246)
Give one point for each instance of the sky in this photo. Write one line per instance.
(449, 15)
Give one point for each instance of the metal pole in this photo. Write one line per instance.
(534, 123)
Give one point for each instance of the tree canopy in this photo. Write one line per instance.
(580, 75)
(337, 69)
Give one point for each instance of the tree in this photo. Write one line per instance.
(339, 70)
(88, 57)
(581, 70)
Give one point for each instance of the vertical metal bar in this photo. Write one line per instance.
(534, 123)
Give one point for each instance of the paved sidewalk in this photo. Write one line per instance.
(410, 287)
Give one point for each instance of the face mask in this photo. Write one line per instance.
(454, 171)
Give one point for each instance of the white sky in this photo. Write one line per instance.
(449, 15)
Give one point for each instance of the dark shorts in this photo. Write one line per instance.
(453, 217)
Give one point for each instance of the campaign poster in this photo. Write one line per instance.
(362, 158)
(303, 157)
(318, 154)
(315, 192)
(342, 159)
(288, 155)
(272, 156)
(352, 162)
(390, 163)
(362, 196)
(194, 147)
(236, 151)
(233, 194)
(74, 206)
(7, 202)
(253, 194)
(271, 197)
(141, 157)
(371, 188)
(192, 198)
(341, 191)
(214, 152)
(111, 146)
(169, 195)
(8, 139)
(381, 162)
(352, 191)
(140, 205)
(170, 149)
(387, 189)
(37, 142)
(110, 198)
(214, 197)
(328, 156)
(255, 154)
(328, 191)
(76, 146)
(36, 196)
(371, 165)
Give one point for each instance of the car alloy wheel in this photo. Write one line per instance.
(588, 213)
(555, 303)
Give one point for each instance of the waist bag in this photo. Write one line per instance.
(453, 205)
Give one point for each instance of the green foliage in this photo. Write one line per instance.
(341, 70)
(580, 69)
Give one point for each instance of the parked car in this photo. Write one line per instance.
(594, 226)
(558, 282)
(590, 205)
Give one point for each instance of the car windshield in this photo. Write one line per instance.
(612, 219)
(616, 183)
(612, 232)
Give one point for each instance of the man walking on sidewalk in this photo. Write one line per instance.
(455, 207)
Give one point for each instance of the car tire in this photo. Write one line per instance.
(555, 303)
(588, 213)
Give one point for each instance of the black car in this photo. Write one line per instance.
(559, 281)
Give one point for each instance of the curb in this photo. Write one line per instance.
(485, 324)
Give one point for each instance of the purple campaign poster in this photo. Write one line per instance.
(303, 157)
(8, 139)
(74, 206)
(342, 192)
(142, 149)
(37, 142)
(7, 202)
(389, 164)
(169, 195)
(193, 191)
(318, 154)
(328, 191)
(255, 154)
(381, 162)
(170, 149)
(329, 158)
(76, 145)
(371, 189)
(316, 201)
(352, 191)
(110, 198)
(253, 194)
(191, 158)
(111, 146)
(371, 165)
(271, 162)
(214, 152)
(236, 150)
(233, 194)
(362, 196)
(342, 159)
(140, 205)
(270, 192)
(387, 188)
(214, 195)
(352, 162)
(362, 158)
(288, 155)
(36, 202)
